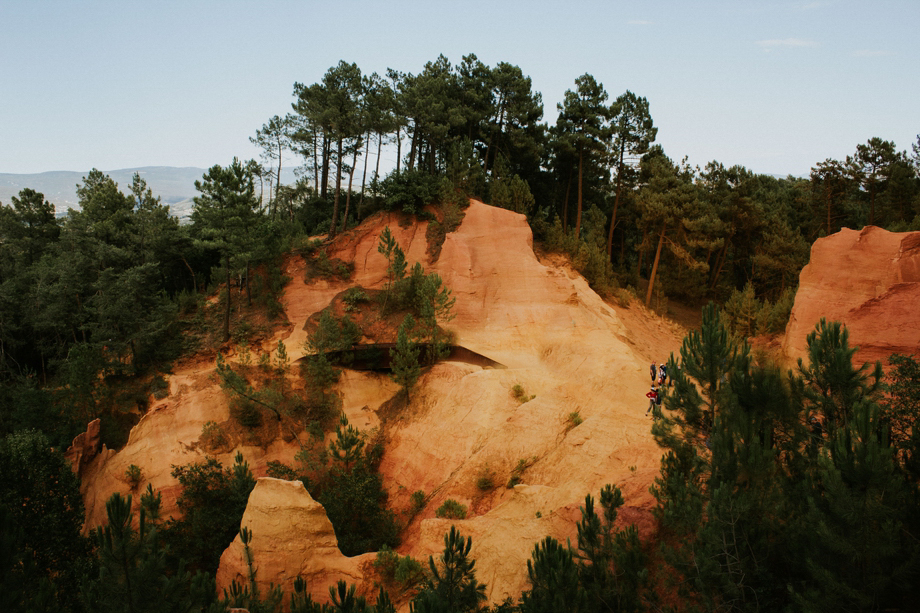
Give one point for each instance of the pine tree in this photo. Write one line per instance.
(554, 580)
(222, 217)
(452, 585)
(404, 364)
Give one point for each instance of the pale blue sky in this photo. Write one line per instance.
(774, 86)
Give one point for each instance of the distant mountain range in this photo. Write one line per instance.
(174, 186)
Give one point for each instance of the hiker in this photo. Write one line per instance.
(663, 374)
(654, 371)
(653, 399)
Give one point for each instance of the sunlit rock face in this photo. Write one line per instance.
(291, 537)
(868, 280)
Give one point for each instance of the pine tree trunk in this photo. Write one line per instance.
(413, 148)
(351, 176)
(227, 307)
(315, 166)
(338, 189)
(578, 214)
(327, 146)
(367, 151)
(248, 290)
(565, 205)
(278, 186)
(398, 151)
(616, 204)
(651, 279)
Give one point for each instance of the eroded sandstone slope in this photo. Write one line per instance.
(557, 339)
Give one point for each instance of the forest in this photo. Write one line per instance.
(759, 508)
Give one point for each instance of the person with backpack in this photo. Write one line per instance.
(662, 374)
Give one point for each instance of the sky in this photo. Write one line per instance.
(774, 86)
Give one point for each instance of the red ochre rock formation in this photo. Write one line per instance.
(291, 537)
(85, 447)
(868, 280)
(555, 337)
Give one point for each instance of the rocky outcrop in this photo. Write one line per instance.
(870, 281)
(291, 537)
(582, 363)
(85, 447)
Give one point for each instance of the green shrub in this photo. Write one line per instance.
(520, 395)
(451, 509)
(134, 475)
(410, 190)
(573, 420)
(247, 413)
(404, 572)
(353, 297)
(212, 435)
(485, 481)
(418, 501)
(159, 387)
(518, 472)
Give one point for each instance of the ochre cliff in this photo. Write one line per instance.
(870, 281)
(554, 336)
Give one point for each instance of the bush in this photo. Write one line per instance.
(573, 420)
(520, 395)
(418, 501)
(485, 481)
(159, 387)
(247, 413)
(212, 435)
(410, 191)
(405, 572)
(451, 509)
(134, 475)
(211, 506)
(322, 267)
(353, 297)
(518, 472)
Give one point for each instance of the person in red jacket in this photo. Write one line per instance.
(652, 396)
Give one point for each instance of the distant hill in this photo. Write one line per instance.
(174, 186)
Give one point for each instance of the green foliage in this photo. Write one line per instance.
(452, 584)
(134, 475)
(554, 580)
(353, 297)
(133, 569)
(611, 563)
(212, 503)
(409, 191)
(355, 501)
(832, 385)
(795, 497)
(747, 316)
(512, 194)
(418, 499)
(518, 471)
(520, 395)
(573, 420)
(41, 515)
(401, 572)
(485, 480)
(212, 435)
(451, 509)
(404, 364)
(320, 266)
